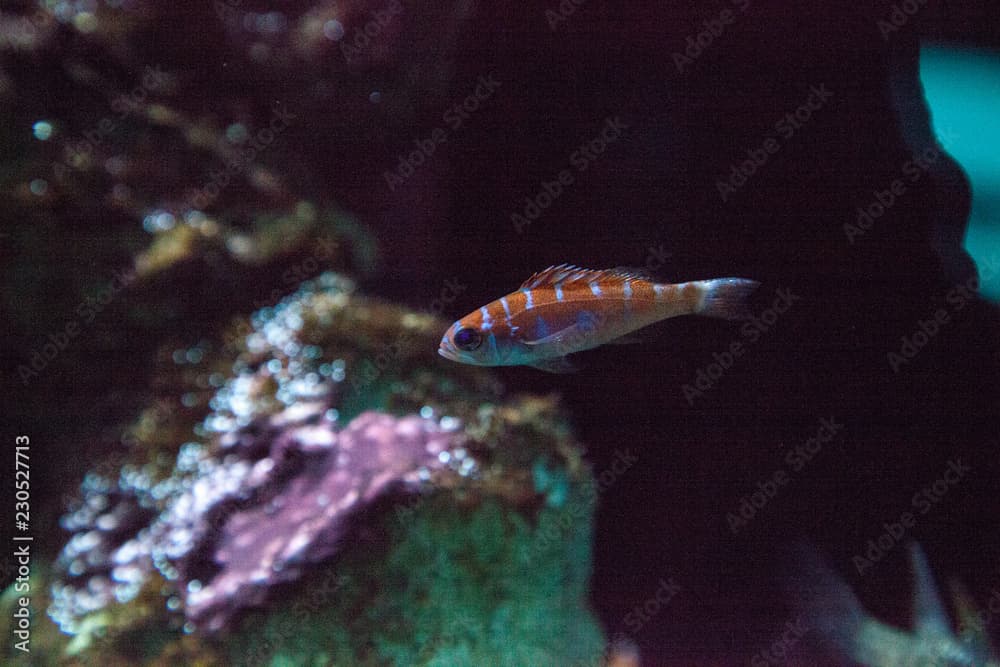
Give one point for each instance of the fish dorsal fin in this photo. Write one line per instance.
(633, 272)
(929, 616)
(564, 274)
(559, 273)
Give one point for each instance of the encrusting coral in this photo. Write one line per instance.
(453, 525)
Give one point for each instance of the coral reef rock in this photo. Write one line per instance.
(338, 444)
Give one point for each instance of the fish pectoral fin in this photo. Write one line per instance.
(563, 336)
(556, 365)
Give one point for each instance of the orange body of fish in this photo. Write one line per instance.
(566, 309)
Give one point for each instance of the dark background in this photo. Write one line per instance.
(826, 357)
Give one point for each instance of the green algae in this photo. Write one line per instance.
(451, 586)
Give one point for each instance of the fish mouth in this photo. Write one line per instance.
(448, 351)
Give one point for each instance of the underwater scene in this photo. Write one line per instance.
(368, 333)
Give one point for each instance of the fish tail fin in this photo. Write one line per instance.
(824, 600)
(727, 298)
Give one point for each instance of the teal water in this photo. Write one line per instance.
(963, 92)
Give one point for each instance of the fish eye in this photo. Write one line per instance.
(467, 339)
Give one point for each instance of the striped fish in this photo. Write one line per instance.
(566, 309)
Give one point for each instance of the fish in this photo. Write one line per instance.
(826, 604)
(566, 309)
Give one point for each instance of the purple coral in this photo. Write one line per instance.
(300, 524)
(273, 503)
(268, 498)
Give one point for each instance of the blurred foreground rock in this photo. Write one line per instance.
(330, 492)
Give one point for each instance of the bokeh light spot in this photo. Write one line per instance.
(333, 30)
(42, 130)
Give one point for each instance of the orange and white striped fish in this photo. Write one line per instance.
(566, 309)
